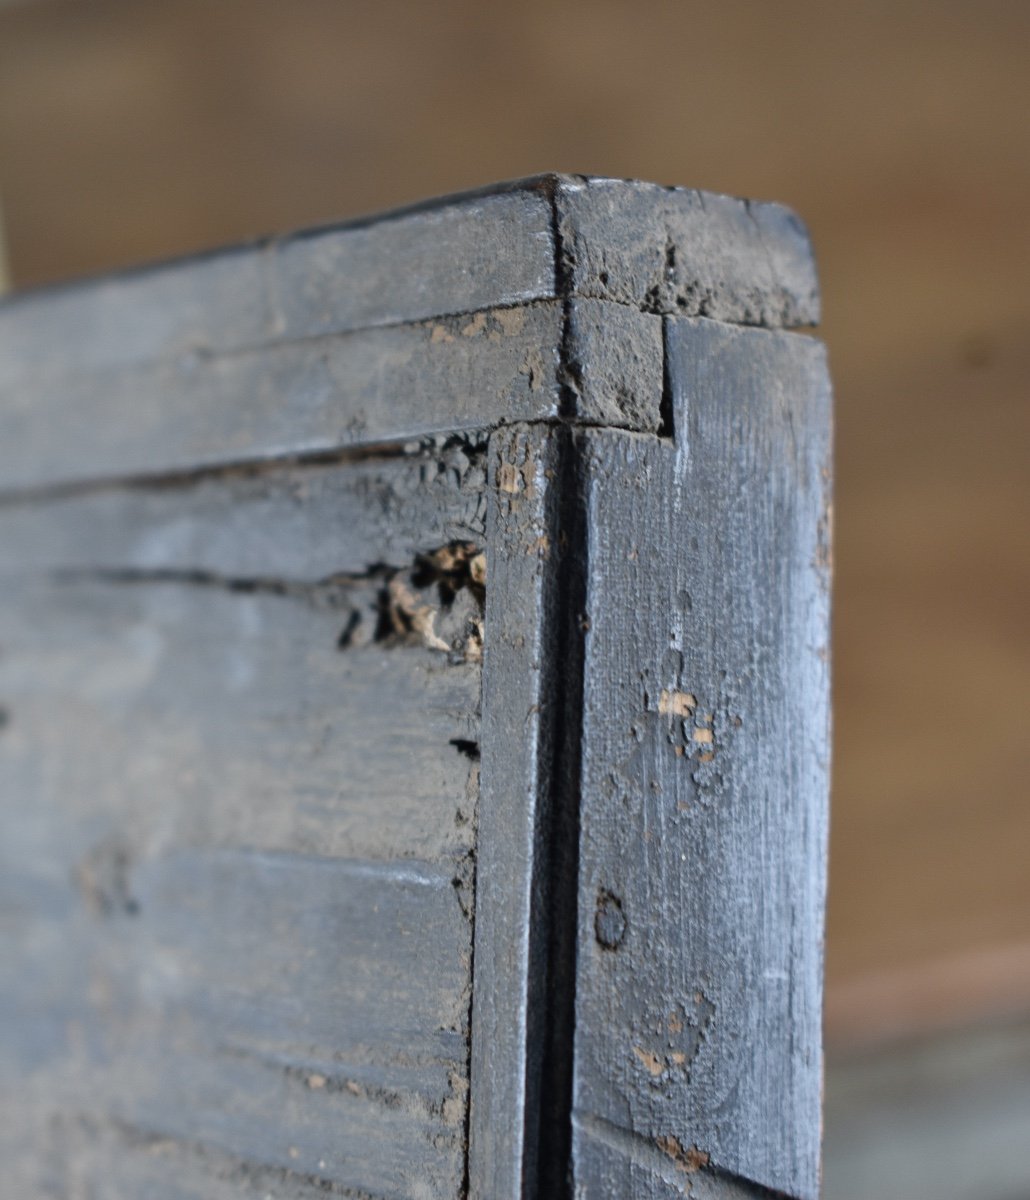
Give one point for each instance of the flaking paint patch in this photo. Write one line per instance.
(511, 320)
(517, 480)
(409, 616)
(655, 1066)
(676, 704)
(476, 325)
(509, 478)
(688, 1159)
(534, 368)
(668, 1042)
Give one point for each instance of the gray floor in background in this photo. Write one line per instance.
(947, 1119)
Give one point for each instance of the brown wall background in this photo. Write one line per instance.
(136, 129)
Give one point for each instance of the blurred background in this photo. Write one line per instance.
(137, 129)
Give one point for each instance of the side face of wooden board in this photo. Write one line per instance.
(294, 524)
(517, 753)
(289, 399)
(239, 818)
(704, 776)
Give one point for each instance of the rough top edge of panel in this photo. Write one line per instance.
(75, 356)
(709, 231)
(680, 251)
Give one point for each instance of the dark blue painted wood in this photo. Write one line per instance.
(412, 710)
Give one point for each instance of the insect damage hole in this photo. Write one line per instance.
(467, 747)
(609, 921)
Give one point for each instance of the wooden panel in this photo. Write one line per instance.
(107, 1161)
(249, 869)
(359, 336)
(704, 776)
(473, 253)
(296, 525)
(351, 389)
(292, 1012)
(237, 849)
(119, 692)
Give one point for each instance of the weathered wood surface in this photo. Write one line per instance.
(517, 752)
(237, 851)
(412, 710)
(473, 253)
(436, 320)
(294, 524)
(689, 253)
(449, 257)
(704, 774)
(295, 398)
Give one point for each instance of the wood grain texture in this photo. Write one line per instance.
(458, 256)
(517, 753)
(301, 397)
(685, 252)
(237, 921)
(704, 776)
(283, 523)
(296, 895)
(334, 346)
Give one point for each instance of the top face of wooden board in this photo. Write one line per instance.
(299, 344)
